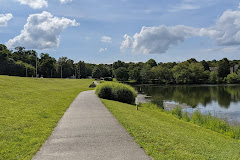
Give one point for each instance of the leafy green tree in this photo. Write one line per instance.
(192, 60)
(223, 68)
(47, 65)
(135, 74)
(205, 65)
(145, 73)
(101, 71)
(118, 64)
(65, 67)
(213, 77)
(196, 71)
(121, 74)
(181, 72)
(151, 63)
(232, 78)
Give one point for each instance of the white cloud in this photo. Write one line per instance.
(158, 39)
(106, 39)
(102, 50)
(65, 1)
(227, 29)
(41, 31)
(150, 40)
(127, 43)
(4, 18)
(182, 7)
(35, 4)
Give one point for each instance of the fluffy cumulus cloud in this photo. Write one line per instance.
(102, 50)
(159, 39)
(35, 4)
(106, 39)
(65, 1)
(41, 31)
(226, 32)
(4, 18)
(152, 40)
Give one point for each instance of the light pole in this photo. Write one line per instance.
(51, 72)
(36, 65)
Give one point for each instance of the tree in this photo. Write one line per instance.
(145, 73)
(181, 72)
(205, 65)
(65, 67)
(192, 60)
(47, 65)
(101, 71)
(213, 77)
(121, 74)
(196, 73)
(151, 63)
(232, 78)
(135, 74)
(223, 68)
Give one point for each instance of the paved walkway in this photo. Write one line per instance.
(88, 131)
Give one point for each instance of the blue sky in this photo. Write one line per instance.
(94, 30)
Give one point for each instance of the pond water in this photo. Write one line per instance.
(222, 100)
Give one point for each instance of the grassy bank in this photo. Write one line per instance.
(165, 137)
(30, 109)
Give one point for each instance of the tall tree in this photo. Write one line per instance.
(121, 74)
(151, 63)
(223, 68)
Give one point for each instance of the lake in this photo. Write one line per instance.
(223, 100)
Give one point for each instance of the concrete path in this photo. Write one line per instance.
(88, 131)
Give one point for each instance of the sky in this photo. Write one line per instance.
(104, 31)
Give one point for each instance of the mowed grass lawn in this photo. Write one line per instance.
(165, 137)
(30, 109)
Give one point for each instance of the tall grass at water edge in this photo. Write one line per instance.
(208, 121)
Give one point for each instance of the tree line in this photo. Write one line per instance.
(27, 63)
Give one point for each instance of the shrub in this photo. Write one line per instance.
(116, 91)
(232, 78)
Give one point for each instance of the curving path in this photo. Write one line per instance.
(88, 131)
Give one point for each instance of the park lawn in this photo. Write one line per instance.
(165, 137)
(30, 109)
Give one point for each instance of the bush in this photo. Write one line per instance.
(232, 78)
(116, 91)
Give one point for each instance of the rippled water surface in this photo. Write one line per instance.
(219, 99)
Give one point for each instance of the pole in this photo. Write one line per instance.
(36, 65)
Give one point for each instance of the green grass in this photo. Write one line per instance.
(30, 109)
(164, 136)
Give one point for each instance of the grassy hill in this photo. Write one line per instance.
(30, 109)
(165, 137)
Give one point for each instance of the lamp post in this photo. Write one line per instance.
(51, 72)
(36, 65)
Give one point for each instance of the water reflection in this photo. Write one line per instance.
(194, 95)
